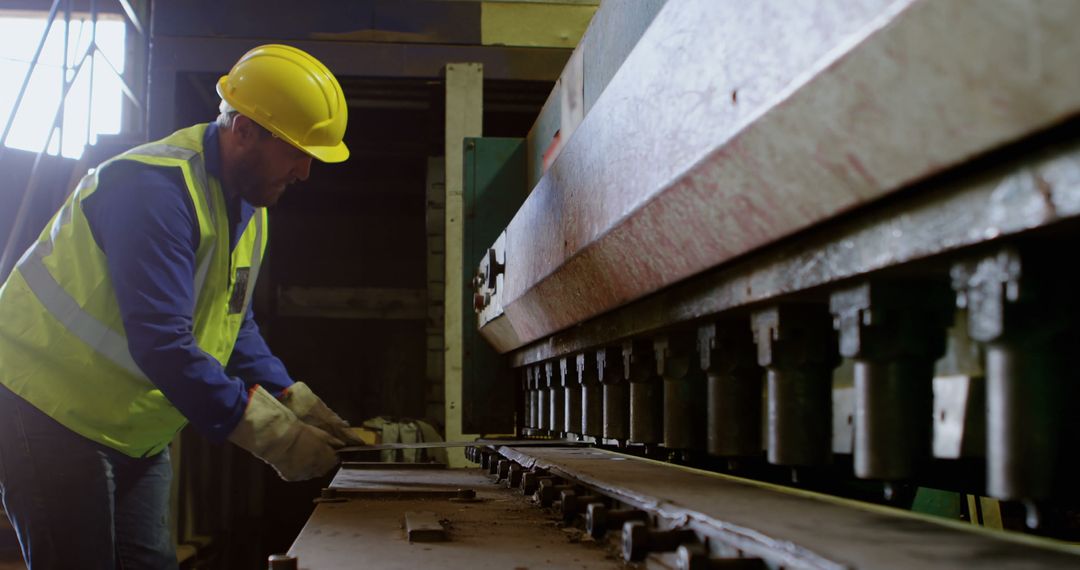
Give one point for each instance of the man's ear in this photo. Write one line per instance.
(245, 129)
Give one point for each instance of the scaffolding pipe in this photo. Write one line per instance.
(26, 78)
(24, 202)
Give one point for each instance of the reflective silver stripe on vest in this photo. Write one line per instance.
(256, 260)
(200, 273)
(64, 308)
(88, 329)
(198, 170)
(194, 160)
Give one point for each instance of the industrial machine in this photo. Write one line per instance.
(779, 253)
(769, 284)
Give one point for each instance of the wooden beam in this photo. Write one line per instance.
(352, 303)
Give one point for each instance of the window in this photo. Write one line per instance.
(81, 125)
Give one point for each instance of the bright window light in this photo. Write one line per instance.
(19, 37)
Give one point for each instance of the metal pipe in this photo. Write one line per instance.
(93, 60)
(646, 393)
(684, 391)
(572, 395)
(530, 410)
(796, 346)
(592, 396)
(1021, 307)
(64, 70)
(556, 406)
(129, 11)
(895, 331)
(893, 416)
(541, 399)
(24, 202)
(733, 399)
(616, 396)
(29, 73)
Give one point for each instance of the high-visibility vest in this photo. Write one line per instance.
(63, 347)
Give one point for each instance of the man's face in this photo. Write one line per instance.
(270, 164)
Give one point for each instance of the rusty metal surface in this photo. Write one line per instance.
(732, 125)
(1032, 190)
(796, 529)
(500, 530)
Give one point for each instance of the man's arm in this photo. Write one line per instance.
(252, 360)
(143, 219)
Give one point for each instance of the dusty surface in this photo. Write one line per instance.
(500, 530)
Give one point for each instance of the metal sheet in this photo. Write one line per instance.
(448, 444)
(500, 530)
(731, 125)
(794, 528)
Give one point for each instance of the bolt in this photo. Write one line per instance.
(694, 556)
(599, 520)
(329, 495)
(530, 482)
(638, 540)
(573, 504)
(502, 469)
(464, 496)
(282, 562)
(548, 490)
(513, 476)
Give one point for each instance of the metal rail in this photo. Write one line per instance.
(733, 518)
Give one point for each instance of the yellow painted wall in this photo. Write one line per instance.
(534, 24)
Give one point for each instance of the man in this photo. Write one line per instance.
(130, 317)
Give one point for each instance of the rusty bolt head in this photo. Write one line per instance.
(513, 476)
(529, 482)
(502, 469)
(572, 504)
(545, 494)
(692, 557)
(596, 520)
(635, 541)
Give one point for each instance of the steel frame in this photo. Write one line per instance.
(730, 127)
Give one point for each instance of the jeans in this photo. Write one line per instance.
(76, 504)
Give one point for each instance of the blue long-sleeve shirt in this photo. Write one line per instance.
(143, 219)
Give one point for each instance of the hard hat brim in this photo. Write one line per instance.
(331, 154)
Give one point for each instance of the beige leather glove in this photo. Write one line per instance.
(309, 408)
(296, 450)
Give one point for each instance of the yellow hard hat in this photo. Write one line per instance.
(292, 95)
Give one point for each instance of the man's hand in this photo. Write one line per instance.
(273, 433)
(311, 410)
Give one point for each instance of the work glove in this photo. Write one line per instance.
(271, 432)
(312, 411)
